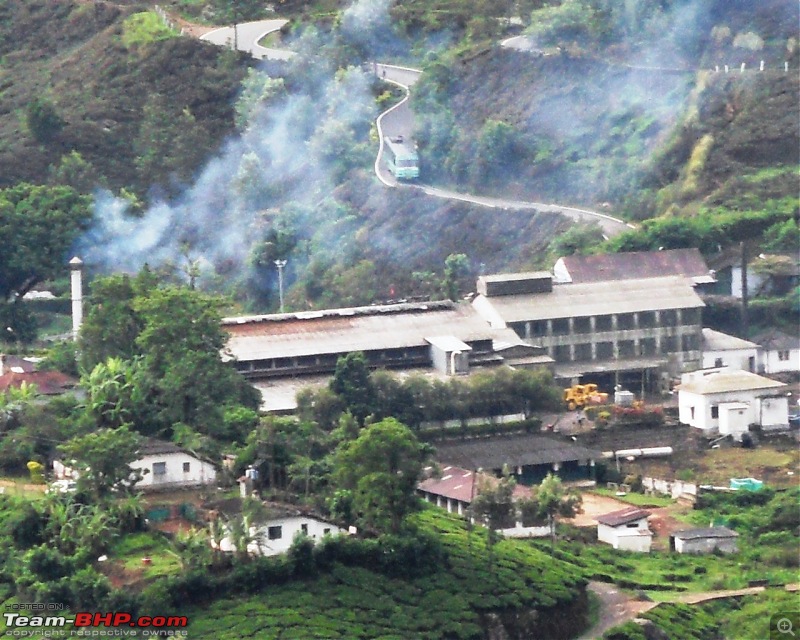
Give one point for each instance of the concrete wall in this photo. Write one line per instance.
(198, 471)
(738, 359)
(706, 545)
(779, 361)
(675, 488)
(626, 538)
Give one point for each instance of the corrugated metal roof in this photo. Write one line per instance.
(718, 341)
(357, 329)
(726, 381)
(707, 532)
(637, 264)
(592, 299)
(514, 451)
(622, 516)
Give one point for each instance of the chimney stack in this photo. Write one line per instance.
(76, 266)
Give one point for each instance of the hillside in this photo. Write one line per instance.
(140, 113)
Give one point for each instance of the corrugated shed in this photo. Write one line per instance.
(638, 264)
(358, 329)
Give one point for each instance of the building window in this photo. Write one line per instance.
(783, 355)
(625, 321)
(562, 353)
(326, 531)
(632, 525)
(602, 323)
(304, 528)
(583, 352)
(159, 468)
(714, 412)
(647, 346)
(539, 328)
(627, 348)
(275, 533)
(561, 326)
(647, 319)
(690, 342)
(691, 412)
(604, 350)
(582, 325)
(186, 467)
(718, 362)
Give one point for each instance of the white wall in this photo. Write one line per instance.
(290, 526)
(738, 359)
(199, 472)
(770, 361)
(774, 412)
(734, 419)
(624, 537)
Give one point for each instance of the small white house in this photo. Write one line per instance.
(780, 352)
(723, 350)
(166, 465)
(625, 529)
(276, 535)
(728, 402)
(704, 540)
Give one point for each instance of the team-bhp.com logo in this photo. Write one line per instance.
(86, 624)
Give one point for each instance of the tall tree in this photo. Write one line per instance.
(381, 468)
(351, 382)
(181, 342)
(553, 499)
(38, 225)
(103, 459)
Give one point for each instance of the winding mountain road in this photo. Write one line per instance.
(399, 120)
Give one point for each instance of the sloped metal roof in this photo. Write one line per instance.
(592, 299)
(514, 451)
(638, 264)
(622, 516)
(338, 331)
(718, 341)
(726, 381)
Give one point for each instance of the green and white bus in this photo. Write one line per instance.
(401, 158)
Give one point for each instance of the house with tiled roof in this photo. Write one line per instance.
(780, 352)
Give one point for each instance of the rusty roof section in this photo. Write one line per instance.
(623, 516)
(464, 484)
(638, 264)
(48, 383)
(335, 331)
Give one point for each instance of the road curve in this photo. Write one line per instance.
(248, 35)
(398, 120)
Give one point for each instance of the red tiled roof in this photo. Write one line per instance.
(48, 383)
(462, 485)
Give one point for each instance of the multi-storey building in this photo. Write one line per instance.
(622, 330)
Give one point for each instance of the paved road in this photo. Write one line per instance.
(248, 36)
(399, 120)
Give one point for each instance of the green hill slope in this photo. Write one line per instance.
(515, 592)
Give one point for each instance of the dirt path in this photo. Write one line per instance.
(616, 607)
(594, 505)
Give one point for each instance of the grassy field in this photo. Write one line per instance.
(637, 499)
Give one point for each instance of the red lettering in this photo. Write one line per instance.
(121, 618)
(144, 621)
(102, 618)
(83, 619)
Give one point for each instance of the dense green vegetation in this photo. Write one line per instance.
(522, 590)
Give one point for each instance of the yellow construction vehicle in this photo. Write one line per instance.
(580, 395)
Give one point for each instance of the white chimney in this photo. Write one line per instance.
(76, 266)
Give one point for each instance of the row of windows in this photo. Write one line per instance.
(160, 468)
(625, 348)
(276, 532)
(625, 322)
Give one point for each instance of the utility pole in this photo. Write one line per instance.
(280, 264)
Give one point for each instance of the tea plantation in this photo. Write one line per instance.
(470, 590)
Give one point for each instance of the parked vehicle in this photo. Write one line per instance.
(401, 158)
